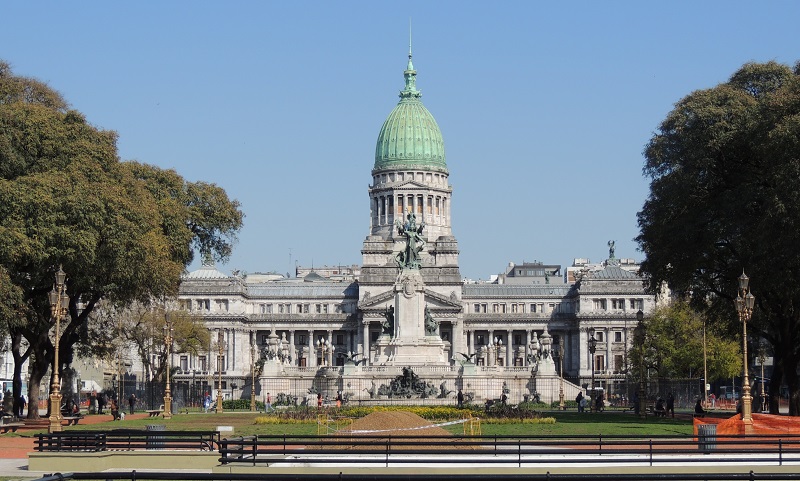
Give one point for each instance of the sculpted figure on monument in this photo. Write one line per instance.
(388, 325)
(430, 323)
(414, 242)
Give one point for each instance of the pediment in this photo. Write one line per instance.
(410, 184)
(441, 301)
(371, 301)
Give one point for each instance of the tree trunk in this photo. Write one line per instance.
(19, 361)
(39, 367)
(775, 387)
(789, 363)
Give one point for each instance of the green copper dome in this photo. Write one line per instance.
(410, 137)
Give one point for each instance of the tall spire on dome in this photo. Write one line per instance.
(410, 74)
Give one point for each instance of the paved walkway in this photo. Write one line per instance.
(14, 449)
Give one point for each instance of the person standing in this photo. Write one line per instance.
(460, 398)
(114, 409)
(671, 405)
(713, 401)
(132, 402)
(101, 402)
(579, 401)
(319, 400)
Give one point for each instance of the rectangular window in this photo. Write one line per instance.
(201, 363)
(517, 339)
(302, 339)
(618, 336)
(319, 308)
(430, 205)
(324, 308)
(184, 363)
(374, 336)
(599, 362)
(533, 308)
(619, 363)
(446, 336)
(340, 339)
(477, 308)
(479, 340)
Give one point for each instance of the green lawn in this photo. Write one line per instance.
(567, 423)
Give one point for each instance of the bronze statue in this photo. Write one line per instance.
(410, 258)
(387, 326)
(430, 323)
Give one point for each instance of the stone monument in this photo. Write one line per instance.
(409, 336)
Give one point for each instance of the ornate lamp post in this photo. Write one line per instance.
(220, 341)
(59, 304)
(253, 380)
(762, 357)
(560, 353)
(639, 334)
(592, 349)
(167, 391)
(745, 301)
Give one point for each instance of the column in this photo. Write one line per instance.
(509, 346)
(312, 350)
(470, 343)
(292, 351)
(365, 343)
(607, 335)
(527, 346)
(492, 357)
(329, 357)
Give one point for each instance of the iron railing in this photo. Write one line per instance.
(508, 450)
(126, 440)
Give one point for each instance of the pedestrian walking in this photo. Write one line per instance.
(132, 402)
(460, 398)
(268, 404)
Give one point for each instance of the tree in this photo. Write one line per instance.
(143, 327)
(123, 231)
(724, 167)
(673, 345)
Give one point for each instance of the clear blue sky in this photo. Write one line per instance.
(545, 107)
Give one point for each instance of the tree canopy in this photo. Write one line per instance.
(123, 231)
(672, 345)
(724, 168)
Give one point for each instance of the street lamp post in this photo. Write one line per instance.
(561, 376)
(167, 389)
(220, 341)
(59, 304)
(744, 306)
(639, 337)
(762, 357)
(592, 349)
(253, 380)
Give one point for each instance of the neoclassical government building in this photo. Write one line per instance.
(353, 329)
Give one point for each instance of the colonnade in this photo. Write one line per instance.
(434, 209)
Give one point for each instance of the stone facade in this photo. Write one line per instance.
(332, 333)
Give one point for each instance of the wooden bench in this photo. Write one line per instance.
(6, 427)
(72, 420)
(154, 413)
